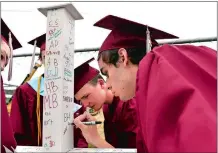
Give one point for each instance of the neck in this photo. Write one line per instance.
(133, 71)
(132, 79)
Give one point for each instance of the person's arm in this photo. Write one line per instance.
(90, 133)
(101, 143)
(7, 137)
(18, 119)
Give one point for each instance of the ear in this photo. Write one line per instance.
(101, 82)
(123, 56)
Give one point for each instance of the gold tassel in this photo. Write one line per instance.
(38, 110)
(33, 71)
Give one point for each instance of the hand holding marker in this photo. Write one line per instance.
(89, 123)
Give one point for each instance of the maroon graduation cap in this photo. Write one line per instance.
(40, 42)
(5, 36)
(83, 74)
(128, 34)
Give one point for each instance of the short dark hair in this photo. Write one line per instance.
(94, 81)
(111, 56)
(40, 56)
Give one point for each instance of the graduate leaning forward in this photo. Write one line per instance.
(174, 87)
(7, 137)
(27, 107)
(120, 125)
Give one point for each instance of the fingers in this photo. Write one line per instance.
(90, 117)
(81, 117)
(78, 123)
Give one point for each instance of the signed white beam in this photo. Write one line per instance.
(59, 77)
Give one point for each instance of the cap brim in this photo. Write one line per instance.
(116, 23)
(40, 40)
(86, 62)
(5, 33)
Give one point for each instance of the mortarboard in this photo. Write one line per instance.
(5, 36)
(8, 37)
(83, 74)
(128, 34)
(40, 41)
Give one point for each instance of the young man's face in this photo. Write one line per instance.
(5, 53)
(93, 96)
(119, 78)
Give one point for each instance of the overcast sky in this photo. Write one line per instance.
(184, 19)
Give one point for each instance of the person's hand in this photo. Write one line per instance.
(89, 132)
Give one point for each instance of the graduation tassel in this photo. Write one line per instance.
(29, 76)
(148, 41)
(11, 58)
(38, 111)
(33, 56)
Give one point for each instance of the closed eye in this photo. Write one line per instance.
(85, 97)
(104, 72)
(107, 75)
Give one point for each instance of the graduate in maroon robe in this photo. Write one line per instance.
(174, 86)
(7, 137)
(28, 131)
(120, 125)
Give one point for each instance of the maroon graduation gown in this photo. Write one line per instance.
(176, 99)
(120, 125)
(7, 137)
(24, 119)
(23, 115)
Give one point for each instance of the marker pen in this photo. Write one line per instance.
(88, 123)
